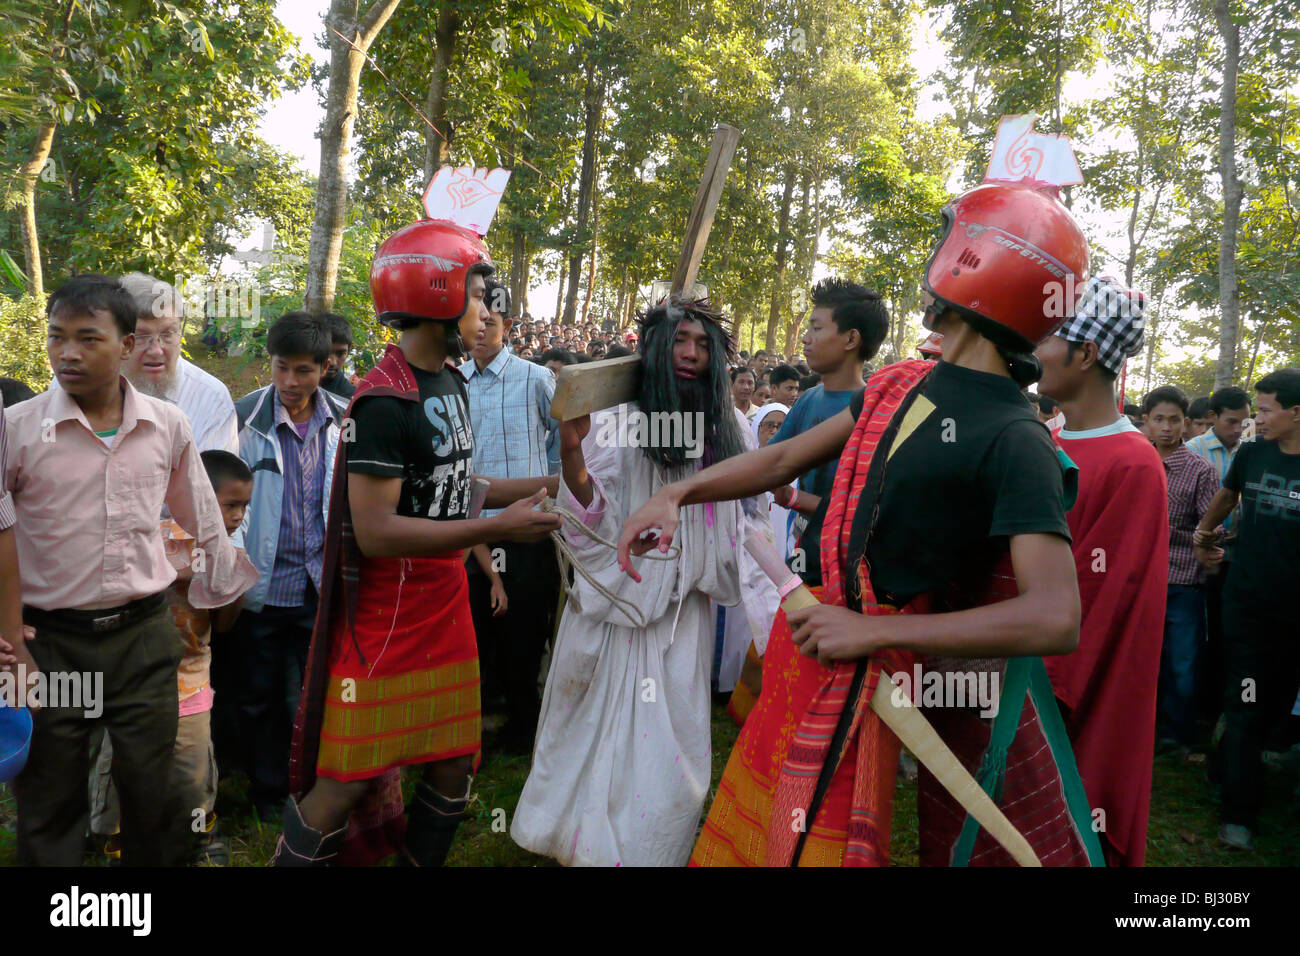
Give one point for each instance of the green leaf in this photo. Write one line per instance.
(10, 270)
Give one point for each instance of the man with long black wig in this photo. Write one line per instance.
(621, 763)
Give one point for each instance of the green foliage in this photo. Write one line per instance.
(1148, 145)
(156, 163)
(488, 89)
(22, 341)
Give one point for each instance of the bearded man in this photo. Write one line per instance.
(621, 764)
(157, 368)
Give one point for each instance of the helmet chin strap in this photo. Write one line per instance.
(455, 345)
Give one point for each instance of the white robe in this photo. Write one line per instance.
(621, 764)
(750, 622)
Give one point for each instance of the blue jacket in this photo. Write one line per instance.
(260, 450)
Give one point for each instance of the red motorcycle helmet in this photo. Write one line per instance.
(1012, 261)
(421, 272)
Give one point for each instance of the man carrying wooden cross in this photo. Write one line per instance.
(621, 764)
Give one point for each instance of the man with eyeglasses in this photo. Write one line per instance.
(156, 367)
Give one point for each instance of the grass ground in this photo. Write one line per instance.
(1183, 830)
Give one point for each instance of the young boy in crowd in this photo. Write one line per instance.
(514, 437)
(743, 383)
(1229, 410)
(845, 328)
(784, 383)
(195, 775)
(1119, 527)
(1192, 485)
(1200, 418)
(1259, 622)
(90, 466)
(336, 378)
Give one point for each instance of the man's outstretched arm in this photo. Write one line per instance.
(1225, 499)
(383, 533)
(504, 491)
(739, 477)
(1042, 619)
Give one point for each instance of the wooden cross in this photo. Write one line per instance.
(583, 389)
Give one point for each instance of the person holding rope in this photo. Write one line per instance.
(621, 764)
(944, 543)
(392, 675)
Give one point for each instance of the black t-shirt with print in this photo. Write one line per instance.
(1266, 558)
(429, 445)
(977, 470)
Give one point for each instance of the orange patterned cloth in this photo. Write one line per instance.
(195, 625)
(785, 744)
(748, 687)
(736, 832)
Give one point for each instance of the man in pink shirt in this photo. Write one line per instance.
(90, 467)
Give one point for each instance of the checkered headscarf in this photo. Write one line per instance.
(1111, 316)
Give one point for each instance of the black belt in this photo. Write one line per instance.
(101, 621)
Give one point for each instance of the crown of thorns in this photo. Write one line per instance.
(675, 308)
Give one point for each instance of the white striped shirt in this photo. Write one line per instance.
(509, 410)
(1208, 446)
(8, 517)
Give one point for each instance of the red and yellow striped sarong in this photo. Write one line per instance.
(412, 693)
(737, 828)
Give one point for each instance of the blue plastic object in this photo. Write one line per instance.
(15, 740)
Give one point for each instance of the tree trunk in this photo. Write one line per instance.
(27, 174)
(346, 60)
(559, 292)
(1225, 368)
(518, 270)
(591, 260)
(806, 256)
(621, 302)
(437, 145)
(782, 249)
(1130, 261)
(1151, 349)
(523, 284)
(630, 307)
(594, 101)
(1254, 354)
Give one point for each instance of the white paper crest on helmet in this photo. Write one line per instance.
(467, 196)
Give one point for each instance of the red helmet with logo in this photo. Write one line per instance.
(422, 272)
(1012, 261)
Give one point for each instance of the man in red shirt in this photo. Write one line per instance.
(1120, 530)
